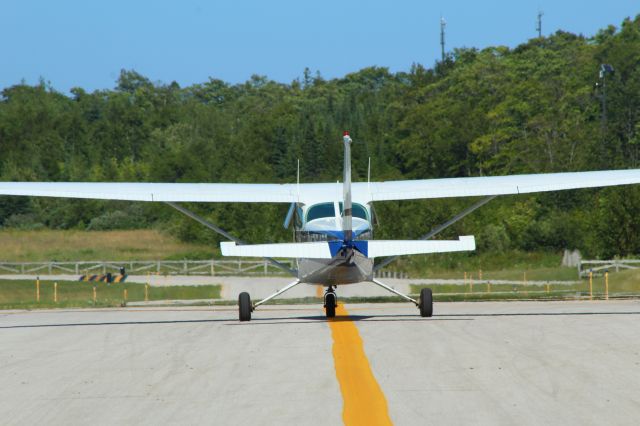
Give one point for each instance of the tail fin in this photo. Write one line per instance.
(346, 189)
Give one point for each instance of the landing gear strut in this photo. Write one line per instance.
(424, 303)
(330, 302)
(245, 307)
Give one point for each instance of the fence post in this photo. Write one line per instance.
(465, 278)
(55, 292)
(146, 293)
(38, 289)
(480, 274)
(124, 295)
(547, 288)
(95, 295)
(606, 285)
(488, 286)
(590, 285)
(471, 283)
(265, 267)
(213, 271)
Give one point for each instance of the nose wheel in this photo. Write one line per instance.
(330, 302)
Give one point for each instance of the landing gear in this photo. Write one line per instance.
(425, 303)
(330, 302)
(244, 306)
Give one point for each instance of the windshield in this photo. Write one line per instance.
(326, 210)
(320, 210)
(358, 210)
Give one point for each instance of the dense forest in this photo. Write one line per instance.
(542, 106)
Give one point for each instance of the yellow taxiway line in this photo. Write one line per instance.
(364, 402)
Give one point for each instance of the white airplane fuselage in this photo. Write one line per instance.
(348, 266)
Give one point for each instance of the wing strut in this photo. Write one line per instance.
(227, 235)
(441, 227)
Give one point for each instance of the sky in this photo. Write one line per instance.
(73, 43)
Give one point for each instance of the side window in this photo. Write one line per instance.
(320, 210)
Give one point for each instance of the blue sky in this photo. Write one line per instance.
(86, 43)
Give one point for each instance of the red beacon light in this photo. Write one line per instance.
(345, 133)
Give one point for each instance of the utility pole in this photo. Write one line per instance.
(539, 24)
(443, 24)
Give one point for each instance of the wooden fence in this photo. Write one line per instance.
(141, 267)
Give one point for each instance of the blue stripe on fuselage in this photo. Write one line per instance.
(336, 246)
(339, 234)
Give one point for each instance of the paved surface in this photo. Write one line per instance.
(473, 363)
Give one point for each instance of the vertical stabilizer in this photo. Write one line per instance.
(346, 189)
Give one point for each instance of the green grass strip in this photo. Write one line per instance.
(17, 294)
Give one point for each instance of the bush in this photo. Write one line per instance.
(131, 218)
(494, 238)
(23, 221)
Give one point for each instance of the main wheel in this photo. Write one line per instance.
(426, 302)
(244, 306)
(330, 305)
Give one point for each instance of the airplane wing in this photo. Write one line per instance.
(496, 185)
(174, 192)
(311, 193)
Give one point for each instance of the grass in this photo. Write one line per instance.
(621, 284)
(17, 294)
(73, 245)
(496, 266)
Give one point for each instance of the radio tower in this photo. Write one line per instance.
(443, 24)
(539, 24)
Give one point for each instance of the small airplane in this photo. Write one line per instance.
(333, 223)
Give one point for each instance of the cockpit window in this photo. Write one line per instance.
(326, 210)
(358, 210)
(320, 210)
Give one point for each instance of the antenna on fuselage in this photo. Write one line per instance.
(369, 175)
(298, 180)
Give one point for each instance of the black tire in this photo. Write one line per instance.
(330, 305)
(426, 302)
(244, 306)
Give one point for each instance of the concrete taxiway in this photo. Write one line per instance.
(472, 363)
